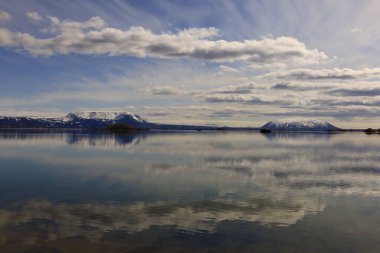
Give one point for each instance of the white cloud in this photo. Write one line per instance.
(164, 90)
(334, 73)
(224, 68)
(68, 27)
(247, 88)
(289, 99)
(4, 16)
(5, 37)
(95, 37)
(34, 16)
(356, 30)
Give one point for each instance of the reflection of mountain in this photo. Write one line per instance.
(99, 139)
(106, 140)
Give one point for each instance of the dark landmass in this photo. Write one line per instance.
(125, 128)
(372, 131)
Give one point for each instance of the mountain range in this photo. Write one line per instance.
(129, 121)
(95, 120)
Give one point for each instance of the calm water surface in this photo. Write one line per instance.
(189, 192)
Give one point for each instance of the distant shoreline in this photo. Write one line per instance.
(128, 122)
(228, 129)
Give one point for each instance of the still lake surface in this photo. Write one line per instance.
(75, 191)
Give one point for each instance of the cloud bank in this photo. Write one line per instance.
(94, 37)
(234, 77)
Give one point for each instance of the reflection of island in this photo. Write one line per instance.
(300, 135)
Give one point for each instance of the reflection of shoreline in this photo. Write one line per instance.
(106, 139)
(89, 138)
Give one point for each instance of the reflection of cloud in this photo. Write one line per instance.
(93, 220)
(208, 178)
(302, 163)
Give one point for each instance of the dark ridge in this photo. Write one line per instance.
(372, 131)
(125, 128)
(265, 131)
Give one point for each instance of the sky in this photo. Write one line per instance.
(237, 63)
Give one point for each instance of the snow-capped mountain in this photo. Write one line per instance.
(96, 120)
(77, 120)
(299, 125)
(103, 116)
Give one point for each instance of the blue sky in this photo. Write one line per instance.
(223, 62)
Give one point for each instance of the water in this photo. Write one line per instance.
(63, 191)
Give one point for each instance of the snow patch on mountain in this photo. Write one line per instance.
(102, 115)
(297, 124)
(110, 117)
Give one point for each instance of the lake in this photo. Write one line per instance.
(78, 191)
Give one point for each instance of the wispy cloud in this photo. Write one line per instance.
(372, 92)
(321, 74)
(224, 68)
(165, 90)
(4, 16)
(285, 86)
